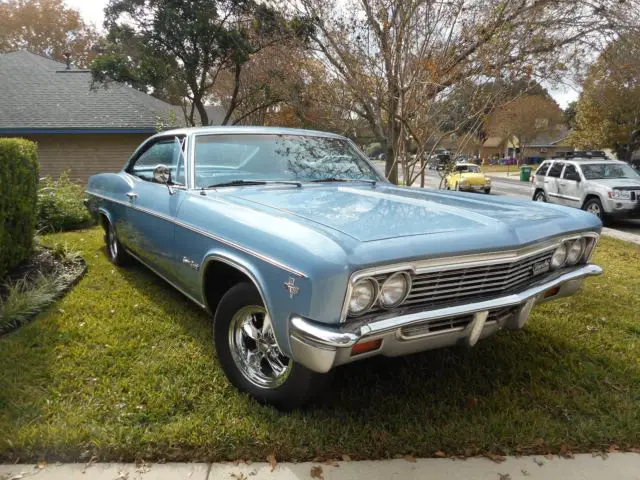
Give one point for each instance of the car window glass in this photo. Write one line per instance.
(543, 169)
(234, 157)
(571, 173)
(164, 152)
(467, 169)
(598, 171)
(555, 170)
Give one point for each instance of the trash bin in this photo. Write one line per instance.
(525, 174)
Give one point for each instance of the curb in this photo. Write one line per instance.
(620, 235)
(600, 466)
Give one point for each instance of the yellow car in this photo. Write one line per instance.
(468, 176)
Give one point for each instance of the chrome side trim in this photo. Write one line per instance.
(201, 305)
(461, 261)
(195, 229)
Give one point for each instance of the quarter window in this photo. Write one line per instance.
(164, 152)
(555, 170)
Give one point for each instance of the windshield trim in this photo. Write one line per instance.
(192, 138)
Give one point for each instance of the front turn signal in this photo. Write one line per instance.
(364, 347)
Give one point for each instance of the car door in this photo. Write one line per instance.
(551, 182)
(569, 186)
(154, 206)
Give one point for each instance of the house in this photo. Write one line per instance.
(542, 146)
(77, 128)
(547, 145)
(498, 147)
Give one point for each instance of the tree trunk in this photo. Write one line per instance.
(204, 117)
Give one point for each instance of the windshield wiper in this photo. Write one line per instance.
(338, 179)
(241, 183)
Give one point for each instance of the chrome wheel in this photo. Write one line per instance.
(254, 349)
(594, 208)
(112, 242)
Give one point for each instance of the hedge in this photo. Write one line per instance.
(18, 201)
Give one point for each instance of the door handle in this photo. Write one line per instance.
(132, 196)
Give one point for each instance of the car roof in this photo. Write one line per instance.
(585, 161)
(244, 130)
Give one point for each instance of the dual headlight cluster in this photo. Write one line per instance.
(571, 252)
(620, 194)
(366, 292)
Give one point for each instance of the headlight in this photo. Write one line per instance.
(363, 295)
(487, 179)
(620, 194)
(394, 289)
(576, 250)
(559, 256)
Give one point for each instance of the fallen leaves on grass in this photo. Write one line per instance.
(440, 454)
(346, 458)
(316, 472)
(410, 458)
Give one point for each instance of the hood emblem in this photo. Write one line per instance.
(291, 287)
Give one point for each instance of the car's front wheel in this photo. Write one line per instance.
(594, 206)
(249, 354)
(487, 191)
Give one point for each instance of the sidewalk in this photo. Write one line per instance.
(618, 466)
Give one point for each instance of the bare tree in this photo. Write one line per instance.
(401, 59)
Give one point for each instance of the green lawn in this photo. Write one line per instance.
(512, 169)
(123, 368)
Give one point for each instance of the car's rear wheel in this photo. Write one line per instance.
(594, 206)
(249, 354)
(540, 196)
(487, 191)
(115, 251)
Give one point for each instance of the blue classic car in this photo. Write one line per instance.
(307, 258)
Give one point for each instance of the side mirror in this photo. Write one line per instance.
(162, 174)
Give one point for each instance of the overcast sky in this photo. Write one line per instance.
(93, 12)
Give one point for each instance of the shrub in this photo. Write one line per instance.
(60, 205)
(18, 201)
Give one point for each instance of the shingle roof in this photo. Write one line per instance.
(37, 93)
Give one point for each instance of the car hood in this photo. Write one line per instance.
(617, 182)
(370, 214)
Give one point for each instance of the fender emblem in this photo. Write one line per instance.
(290, 285)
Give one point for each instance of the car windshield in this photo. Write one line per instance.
(599, 171)
(223, 159)
(467, 169)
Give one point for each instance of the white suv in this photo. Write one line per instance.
(606, 188)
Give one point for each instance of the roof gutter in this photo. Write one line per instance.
(74, 131)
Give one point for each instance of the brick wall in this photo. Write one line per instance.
(84, 155)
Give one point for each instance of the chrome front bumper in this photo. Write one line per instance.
(321, 347)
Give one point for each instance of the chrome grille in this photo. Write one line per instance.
(453, 323)
(478, 282)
